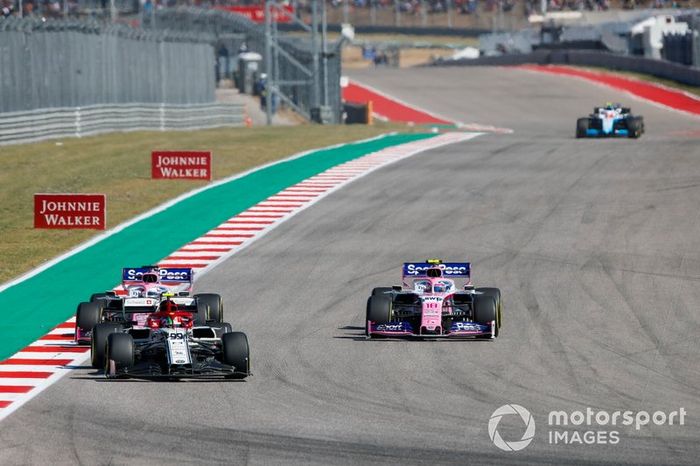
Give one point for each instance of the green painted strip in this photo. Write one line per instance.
(33, 307)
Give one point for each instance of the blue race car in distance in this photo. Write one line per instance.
(610, 120)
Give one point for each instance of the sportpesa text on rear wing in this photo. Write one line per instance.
(459, 271)
(170, 277)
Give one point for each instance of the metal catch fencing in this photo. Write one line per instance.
(71, 63)
(51, 123)
(293, 55)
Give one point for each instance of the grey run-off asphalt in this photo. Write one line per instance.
(594, 244)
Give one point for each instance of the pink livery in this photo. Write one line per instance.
(435, 300)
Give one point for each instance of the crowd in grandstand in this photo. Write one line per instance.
(475, 6)
(58, 8)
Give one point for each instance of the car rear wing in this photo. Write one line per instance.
(460, 272)
(172, 277)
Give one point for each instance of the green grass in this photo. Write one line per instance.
(119, 166)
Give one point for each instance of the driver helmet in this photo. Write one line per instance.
(168, 306)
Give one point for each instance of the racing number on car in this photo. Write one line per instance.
(431, 305)
(178, 336)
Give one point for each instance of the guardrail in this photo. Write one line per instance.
(43, 124)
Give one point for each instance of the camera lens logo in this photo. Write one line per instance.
(529, 427)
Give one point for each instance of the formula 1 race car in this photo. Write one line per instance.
(435, 300)
(610, 120)
(170, 345)
(145, 287)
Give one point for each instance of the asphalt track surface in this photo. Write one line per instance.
(594, 244)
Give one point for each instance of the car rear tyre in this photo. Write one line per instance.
(87, 316)
(582, 127)
(119, 352)
(215, 311)
(99, 342)
(236, 353)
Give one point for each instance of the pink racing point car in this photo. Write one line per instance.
(143, 290)
(436, 300)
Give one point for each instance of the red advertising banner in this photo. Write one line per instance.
(177, 165)
(70, 211)
(256, 13)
